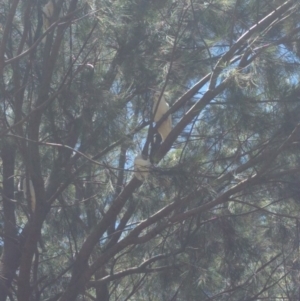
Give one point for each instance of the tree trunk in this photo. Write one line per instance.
(102, 292)
(11, 248)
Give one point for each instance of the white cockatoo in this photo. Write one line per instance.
(31, 195)
(141, 167)
(48, 10)
(166, 127)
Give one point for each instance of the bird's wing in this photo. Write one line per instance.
(165, 129)
(48, 9)
(163, 107)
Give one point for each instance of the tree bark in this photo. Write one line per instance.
(102, 292)
(11, 248)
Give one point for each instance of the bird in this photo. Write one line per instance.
(28, 194)
(166, 127)
(142, 167)
(48, 10)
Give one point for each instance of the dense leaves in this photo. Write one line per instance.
(218, 216)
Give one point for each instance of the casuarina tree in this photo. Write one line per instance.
(98, 201)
